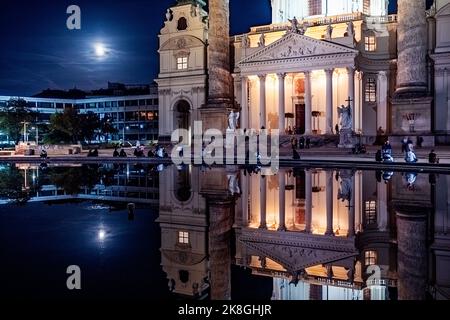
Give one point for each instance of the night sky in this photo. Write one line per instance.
(39, 52)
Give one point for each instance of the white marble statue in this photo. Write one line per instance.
(350, 29)
(233, 118)
(345, 113)
(329, 31)
(262, 40)
(245, 41)
(168, 15)
(346, 190)
(233, 185)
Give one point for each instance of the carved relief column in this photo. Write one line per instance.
(308, 103)
(262, 101)
(308, 201)
(220, 225)
(282, 200)
(412, 252)
(330, 199)
(351, 92)
(412, 48)
(329, 101)
(263, 202)
(244, 102)
(281, 102)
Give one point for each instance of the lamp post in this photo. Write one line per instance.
(25, 136)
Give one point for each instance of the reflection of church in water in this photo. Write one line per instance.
(312, 234)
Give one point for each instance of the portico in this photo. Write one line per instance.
(295, 83)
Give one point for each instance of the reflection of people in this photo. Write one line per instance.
(44, 154)
(432, 157)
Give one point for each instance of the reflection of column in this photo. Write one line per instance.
(329, 99)
(351, 93)
(282, 201)
(281, 102)
(262, 101)
(308, 201)
(220, 226)
(263, 202)
(329, 175)
(351, 210)
(382, 208)
(245, 193)
(308, 103)
(244, 103)
(412, 253)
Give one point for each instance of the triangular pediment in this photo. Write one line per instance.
(297, 252)
(294, 46)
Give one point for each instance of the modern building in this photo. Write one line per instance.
(135, 116)
(314, 57)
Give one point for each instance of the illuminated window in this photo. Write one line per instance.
(371, 90)
(315, 7)
(366, 7)
(371, 212)
(370, 258)
(183, 237)
(182, 63)
(370, 43)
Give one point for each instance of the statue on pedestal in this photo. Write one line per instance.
(345, 113)
(233, 118)
(347, 136)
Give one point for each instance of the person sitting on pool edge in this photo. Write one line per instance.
(432, 158)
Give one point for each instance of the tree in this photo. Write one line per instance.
(65, 127)
(12, 117)
(90, 125)
(107, 128)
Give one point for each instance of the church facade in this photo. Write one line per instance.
(315, 57)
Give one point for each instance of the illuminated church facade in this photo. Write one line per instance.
(314, 57)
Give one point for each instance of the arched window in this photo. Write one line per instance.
(182, 24)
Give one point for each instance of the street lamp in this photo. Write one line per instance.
(37, 134)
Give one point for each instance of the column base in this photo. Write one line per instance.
(411, 116)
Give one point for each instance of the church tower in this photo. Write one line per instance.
(183, 68)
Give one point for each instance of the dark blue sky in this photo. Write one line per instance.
(39, 52)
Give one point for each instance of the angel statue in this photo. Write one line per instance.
(345, 113)
(233, 118)
(346, 190)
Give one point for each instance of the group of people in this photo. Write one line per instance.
(385, 154)
(157, 152)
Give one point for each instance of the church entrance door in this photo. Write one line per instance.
(300, 119)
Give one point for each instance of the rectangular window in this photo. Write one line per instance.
(370, 258)
(315, 7)
(142, 102)
(371, 90)
(371, 212)
(370, 43)
(182, 63)
(183, 237)
(366, 7)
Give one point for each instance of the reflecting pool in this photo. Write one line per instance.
(164, 232)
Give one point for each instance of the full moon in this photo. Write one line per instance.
(100, 50)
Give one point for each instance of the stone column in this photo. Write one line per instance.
(412, 48)
(221, 211)
(382, 100)
(219, 102)
(219, 51)
(244, 103)
(281, 102)
(308, 201)
(262, 101)
(329, 99)
(282, 200)
(330, 199)
(412, 252)
(308, 103)
(351, 93)
(263, 202)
